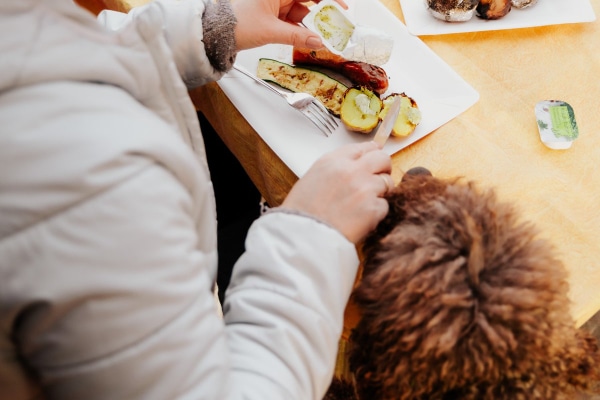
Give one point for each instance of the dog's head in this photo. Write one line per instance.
(460, 299)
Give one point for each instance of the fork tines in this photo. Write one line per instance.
(318, 115)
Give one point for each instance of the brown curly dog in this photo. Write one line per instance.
(461, 300)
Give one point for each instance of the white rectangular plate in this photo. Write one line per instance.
(546, 12)
(413, 68)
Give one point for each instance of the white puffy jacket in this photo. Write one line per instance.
(108, 230)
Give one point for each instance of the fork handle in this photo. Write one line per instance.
(257, 79)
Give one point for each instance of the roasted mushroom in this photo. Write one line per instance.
(493, 9)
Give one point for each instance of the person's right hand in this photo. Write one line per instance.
(344, 188)
(261, 22)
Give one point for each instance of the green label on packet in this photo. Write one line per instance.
(562, 123)
(556, 123)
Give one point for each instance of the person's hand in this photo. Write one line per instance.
(344, 188)
(261, 22)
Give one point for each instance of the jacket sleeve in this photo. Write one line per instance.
(113, 286)
(285, 305)
(129, 313)
(183, 30)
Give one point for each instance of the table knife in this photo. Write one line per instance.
(385, 128)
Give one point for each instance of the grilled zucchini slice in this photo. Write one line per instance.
(326, 89)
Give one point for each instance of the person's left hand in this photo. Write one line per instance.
(261, 22)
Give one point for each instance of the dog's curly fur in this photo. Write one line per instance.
(461, 300)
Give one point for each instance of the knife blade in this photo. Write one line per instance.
(385, 128)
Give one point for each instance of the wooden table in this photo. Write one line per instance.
(495, 142)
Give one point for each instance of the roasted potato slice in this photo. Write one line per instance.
(408, 117)
(360, 109)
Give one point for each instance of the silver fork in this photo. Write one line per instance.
(308, 105)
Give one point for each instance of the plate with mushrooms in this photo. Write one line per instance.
(438, 17)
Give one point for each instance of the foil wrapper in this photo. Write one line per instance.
(369, 45)
(452, 11)
(523, 3)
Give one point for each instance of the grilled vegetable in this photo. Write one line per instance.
(321, 57)
(360, 109)
(359, 73)
(327, 90)
(493, 9)
(408, 117)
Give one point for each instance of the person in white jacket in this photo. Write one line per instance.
(107, 215)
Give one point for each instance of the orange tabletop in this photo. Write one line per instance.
(496, 142)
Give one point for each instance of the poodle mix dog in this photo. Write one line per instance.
(458, 299)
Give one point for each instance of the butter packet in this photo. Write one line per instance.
(343, 37)
(556, 124)
(330, 21)
(369, 45)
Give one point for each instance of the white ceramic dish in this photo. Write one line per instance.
(546, 12)
(439, 91)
